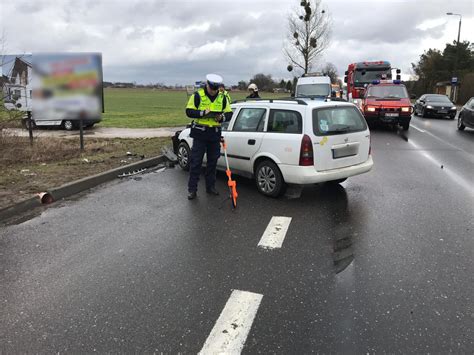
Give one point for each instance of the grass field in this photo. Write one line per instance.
(148, 108)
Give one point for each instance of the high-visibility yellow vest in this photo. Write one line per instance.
(220, 104)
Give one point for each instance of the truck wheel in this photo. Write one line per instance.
(184, 155)
(68, 125)
(269, 179)
(460, 124)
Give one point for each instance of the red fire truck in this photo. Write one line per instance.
(359, 75)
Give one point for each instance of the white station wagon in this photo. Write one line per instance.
(280, 142)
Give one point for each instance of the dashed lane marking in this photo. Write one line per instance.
(233, 326)
(275, 233)
(418, 129)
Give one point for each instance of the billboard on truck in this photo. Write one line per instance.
(56, 88)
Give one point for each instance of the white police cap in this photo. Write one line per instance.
(214, 79)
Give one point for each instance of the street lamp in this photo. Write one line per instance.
(460, 18)
(457, 51)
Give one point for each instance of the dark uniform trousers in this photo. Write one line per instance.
(204, 141)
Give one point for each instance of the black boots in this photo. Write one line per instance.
(212, 191)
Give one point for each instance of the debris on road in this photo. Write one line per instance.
(134, 172)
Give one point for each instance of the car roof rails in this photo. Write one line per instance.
(291, 99)
(336, 99)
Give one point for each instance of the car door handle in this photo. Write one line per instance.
(251, 141)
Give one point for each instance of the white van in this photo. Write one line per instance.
(313, 86)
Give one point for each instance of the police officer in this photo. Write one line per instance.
(225, 92)
(207, 107)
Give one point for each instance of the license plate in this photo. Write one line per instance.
(443, 111)
(347, 150)
(391, 114)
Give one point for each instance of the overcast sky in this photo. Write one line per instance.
(151, 41)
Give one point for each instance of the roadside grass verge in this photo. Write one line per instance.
(148, 108)
(52, 162)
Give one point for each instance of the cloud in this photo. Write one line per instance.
(180, 41)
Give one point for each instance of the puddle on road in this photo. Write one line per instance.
(343, 251)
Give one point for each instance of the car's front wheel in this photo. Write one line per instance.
(269, 179)
(184, 155)
(423, 113)
(461, 126)
(28, 123)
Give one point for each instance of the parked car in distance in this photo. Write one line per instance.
(278, 142)
(434, 105)
(466, 115)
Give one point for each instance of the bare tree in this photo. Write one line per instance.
(330, 70)
(309, 29)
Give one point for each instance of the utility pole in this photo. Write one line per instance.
(454, 84)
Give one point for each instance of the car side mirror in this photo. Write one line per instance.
(345, 79)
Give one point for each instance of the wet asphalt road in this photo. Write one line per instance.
(382, 263)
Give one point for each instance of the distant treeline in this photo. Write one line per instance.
(125, 85)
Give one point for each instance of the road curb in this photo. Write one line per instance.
(77, 186)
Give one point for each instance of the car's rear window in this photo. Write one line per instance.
(337, 120)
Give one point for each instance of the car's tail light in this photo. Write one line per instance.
(306, 153)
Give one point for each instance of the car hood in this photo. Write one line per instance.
(439, 104)
(388, 102)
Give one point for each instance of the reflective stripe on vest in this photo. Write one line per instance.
(205, 103)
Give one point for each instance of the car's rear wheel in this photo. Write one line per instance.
(68, 125)
(461, 126)
(269, 179)
(184, 155)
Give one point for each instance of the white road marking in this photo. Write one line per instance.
(459, 179)
(233, 326)
(418, 129)
(275, 233)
